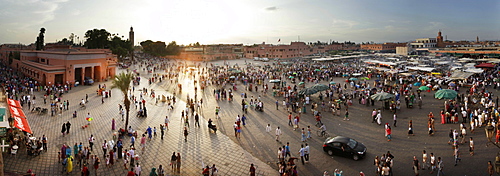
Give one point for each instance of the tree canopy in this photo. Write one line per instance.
(120, 47)
(97, 38)
(101, 39)
(154, 48)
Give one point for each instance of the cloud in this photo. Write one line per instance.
(273, 8)
(21, 15)
(343, 24)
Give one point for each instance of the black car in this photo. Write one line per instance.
(344, 146)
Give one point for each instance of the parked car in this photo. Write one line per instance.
(88, 81)
(344, 146)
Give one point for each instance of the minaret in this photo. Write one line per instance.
(477, 39)
(131, 36)
(439, 39)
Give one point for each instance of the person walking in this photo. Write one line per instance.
(185, 134)
(96, 164)
(309, 132)
(471, 147)
(173, 161)
(424, 160)
(490, 169)
(395, 117)
(68, 126)
(113, 124)
(196, 120)
(389, 132)
(162, 131)
(410, 128)
(143, 143)
(456, 154)
(268, 128)
(91, 142)
(302, 153)
(137, 169)
(44, 142)
(278, 134)
(440, 166)
(379, 118)
(178, 162)
(374, 115)
(252, 170)
(306, 153)
(149, 130)
(432, 162)
(287, 150)
(346, 115)
(303, 134)
(63, 129)
(167, 121)
(416, 165)
(105, 148)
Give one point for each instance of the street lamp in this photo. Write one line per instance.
(489, 132)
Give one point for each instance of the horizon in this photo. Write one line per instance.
(250, 22)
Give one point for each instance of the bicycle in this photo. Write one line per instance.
(318, 124)
(322, 133)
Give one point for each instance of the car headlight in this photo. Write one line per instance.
(361, 153)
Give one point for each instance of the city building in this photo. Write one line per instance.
(382, 47)
(62, 64)
(211, 52)
(295, 49)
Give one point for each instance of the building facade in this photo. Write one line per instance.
(382, 47)
(295, 49)
(63, 65)
(212, 52)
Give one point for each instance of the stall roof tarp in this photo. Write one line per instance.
(460, 75)
(16, 111)
(22, 124)
(485, 65)
(426, 69)
(14, 103)
(474, 70)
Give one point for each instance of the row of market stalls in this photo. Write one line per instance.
(12, 124)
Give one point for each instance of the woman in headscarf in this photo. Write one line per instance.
(153, 172)
(69, 164)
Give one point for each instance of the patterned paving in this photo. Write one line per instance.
(201, 148)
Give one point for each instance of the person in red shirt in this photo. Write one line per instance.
(131, 172)
(85, 170)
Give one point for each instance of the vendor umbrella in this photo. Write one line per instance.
(291, 77)
(365, 78)
(417, 84)
(452, 84)
(445, 94)
(317, 69)
(274, 81)
(353, 79)
(333, 82)
(300, 83)
(382, 96)
(319, 87)
(307, 91)
(424, 88)
(232, 77)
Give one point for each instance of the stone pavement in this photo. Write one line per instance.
(202, 147)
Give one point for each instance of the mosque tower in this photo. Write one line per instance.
(131, 38)
(440, 42)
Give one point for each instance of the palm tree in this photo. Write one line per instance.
(122, 82)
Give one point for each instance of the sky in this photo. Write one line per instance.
(251, 21)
